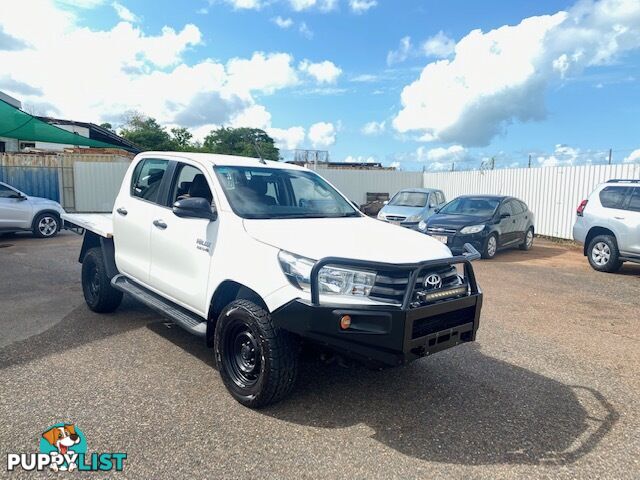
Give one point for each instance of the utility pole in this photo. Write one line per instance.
(529, 160)
(610, 152)
(453, 166)
(493, 163)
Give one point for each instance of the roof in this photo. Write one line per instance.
(497, 197)
(420, 190)
(222, 160)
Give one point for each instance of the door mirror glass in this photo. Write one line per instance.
(195, 207)
(505, 215)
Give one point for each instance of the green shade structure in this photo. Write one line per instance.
(14, 123)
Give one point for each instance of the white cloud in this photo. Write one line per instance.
(565, 155)
(373, 128)
(266, 72)
(502, 75)
(634, 157)
(401, 53)
(439, 46)
(322, 72)
(287, 138)
(124, 13)
(246, 4)
(454, 153)
(322, 134)
(282, 22)
(305, 31)
(395, 165)
(322, 5)
(365, 78)
(361, 6)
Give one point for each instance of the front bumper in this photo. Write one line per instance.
(386, 335)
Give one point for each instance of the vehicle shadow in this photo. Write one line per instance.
(460, 407)
(629, 269)
(538, 252)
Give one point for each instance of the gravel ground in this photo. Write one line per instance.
(549, 390)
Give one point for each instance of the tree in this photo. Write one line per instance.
(107, 126)
(181, 139)
(242, 142)
(146, 132)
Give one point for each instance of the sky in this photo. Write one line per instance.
(415, 84)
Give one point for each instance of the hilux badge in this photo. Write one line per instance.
(433, 281)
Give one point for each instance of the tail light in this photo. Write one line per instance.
(581, 207)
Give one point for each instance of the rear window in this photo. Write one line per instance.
(634, 203)
(613, 197)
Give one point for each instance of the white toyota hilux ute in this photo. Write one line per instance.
(262, 257)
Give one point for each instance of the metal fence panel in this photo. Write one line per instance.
(356, 183)
(34, 181)
(552, 193)
(97, 185)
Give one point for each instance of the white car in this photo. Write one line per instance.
(21, 212)
(258, 257)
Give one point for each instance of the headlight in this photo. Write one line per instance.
(422, 226)
(413, 218)
(297, 269)
(472, 229)
(381, 216)
(331, 280)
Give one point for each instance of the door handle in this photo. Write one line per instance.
(619, 218)
(514, 221)
(160, 224)
(122, 211)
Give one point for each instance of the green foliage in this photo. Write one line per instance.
(107, 126)
(148, 134)
(242, 142)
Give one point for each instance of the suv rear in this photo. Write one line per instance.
(608, 225)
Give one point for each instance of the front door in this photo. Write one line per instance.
(182, 248)
(133, 215)
(508, 224)
(631, 227)
(15, 210)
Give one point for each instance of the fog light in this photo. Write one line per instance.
(345, 322)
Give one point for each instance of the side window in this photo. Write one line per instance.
(613, 197)
(433, 200)
(506, 208)
(190, 182)
(441, 199)
(146, 179)
(516, 206)
(524, 206)
(6, 192)
(634, 202)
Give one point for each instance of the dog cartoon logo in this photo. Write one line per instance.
(63, 439)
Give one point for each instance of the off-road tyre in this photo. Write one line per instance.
(100, 296)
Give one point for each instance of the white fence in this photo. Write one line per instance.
(356, 183)
(97, 185)
(552, 193)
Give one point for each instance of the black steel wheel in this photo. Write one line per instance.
(100, 296)
(258, 363)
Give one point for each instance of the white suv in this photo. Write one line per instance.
(608, 224)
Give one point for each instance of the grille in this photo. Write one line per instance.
(426, 326)
(441, 231)
(396, 218)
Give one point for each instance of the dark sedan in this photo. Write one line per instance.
(489, 223)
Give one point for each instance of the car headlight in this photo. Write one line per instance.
(381, 216)
(413, 218)
(422, 226)
(331, 280)
(472, 229)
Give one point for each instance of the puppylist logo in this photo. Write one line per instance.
(63, 447)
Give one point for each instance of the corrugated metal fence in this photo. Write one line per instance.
(97, 185)
(552, 193)
(355, 184)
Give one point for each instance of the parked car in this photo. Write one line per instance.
(257, 257)
(410, 206)
(608, 225)
(21, 212)
(488, 222)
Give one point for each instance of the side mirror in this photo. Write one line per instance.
(505, 215)
(437, 210)
(195, 207)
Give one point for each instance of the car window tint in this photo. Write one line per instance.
(506, 208)
(634, 203)
(441, 199)
(613, 197)
(190, 183)
(525, 208)
(147, 178)
(6, 192)
(516, 207)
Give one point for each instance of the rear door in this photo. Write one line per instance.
(631, 242)
(15, 212)
(133, 217)
(519, 217)
(182, 248)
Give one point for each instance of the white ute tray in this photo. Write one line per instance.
(100, 223)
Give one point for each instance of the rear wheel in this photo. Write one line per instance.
(490, 246)
(100, 296)
(46, 225)
(258, 363)
(527, 243)
(603, 254)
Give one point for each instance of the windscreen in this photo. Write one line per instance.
(409, 199)
(480, 206)
(281, 193)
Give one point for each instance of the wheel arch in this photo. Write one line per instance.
(594, 232)
(227, 292)
(107, 248)
(53, 212)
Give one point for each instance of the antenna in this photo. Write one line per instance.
(255, 144)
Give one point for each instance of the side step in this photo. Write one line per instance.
(191, 322)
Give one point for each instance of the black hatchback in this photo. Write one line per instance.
(489, 223)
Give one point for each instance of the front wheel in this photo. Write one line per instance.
(258, 362)
(46, 225)
(490, 247)
(603, 254)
